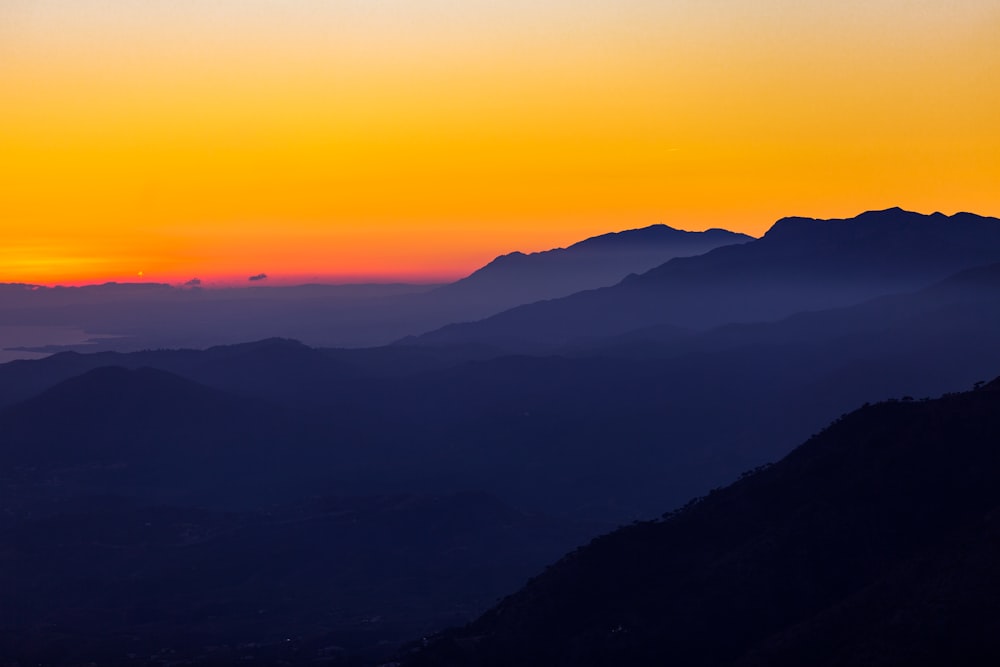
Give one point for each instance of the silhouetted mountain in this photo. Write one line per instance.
(943, 323)
(800, 264)
(616, 432)
(599, 261)
(153, 435)
(875, 542)
(620, 427)
(273, 368)
(135, 317)
(278, 369)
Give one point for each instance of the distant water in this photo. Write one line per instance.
(39, 336)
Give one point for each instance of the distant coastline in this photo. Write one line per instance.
(40, 341)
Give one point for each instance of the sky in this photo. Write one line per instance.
(358, 140)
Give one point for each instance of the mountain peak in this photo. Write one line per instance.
(897, 214)
(800, 264)
(508, 258)
(652, 235)
(120, 382)
(895, 218)
(518, 278)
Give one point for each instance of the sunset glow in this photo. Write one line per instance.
(402, 140)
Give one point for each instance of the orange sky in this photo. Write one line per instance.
(360, 140)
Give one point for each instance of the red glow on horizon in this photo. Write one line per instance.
(272, 280)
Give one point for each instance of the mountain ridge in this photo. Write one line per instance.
(133, 317)
(746, 574)
(593, 262)
(805, 264)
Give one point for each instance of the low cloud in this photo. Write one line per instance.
(259, 276)
(194, 282)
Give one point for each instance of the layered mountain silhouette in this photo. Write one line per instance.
(153, 435)
(276, 368)
(518, 278)
(873, 543)
(800, 264)
(593, 434)
(143, 316)
(221, 501)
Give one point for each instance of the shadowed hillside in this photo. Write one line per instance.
(873, 543)
(154, 435)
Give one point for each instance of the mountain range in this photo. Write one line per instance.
(799, 264)
(699, 408)
(219, 501)
(132, 317)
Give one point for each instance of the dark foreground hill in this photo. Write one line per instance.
(876, 542)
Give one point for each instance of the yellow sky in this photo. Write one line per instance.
(404, 139)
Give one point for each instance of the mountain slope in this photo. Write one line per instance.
(144, 316)
(800, 264)
(599, 261)
(844, 540)
(157, 436)
(618, 432)
(274, 368)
